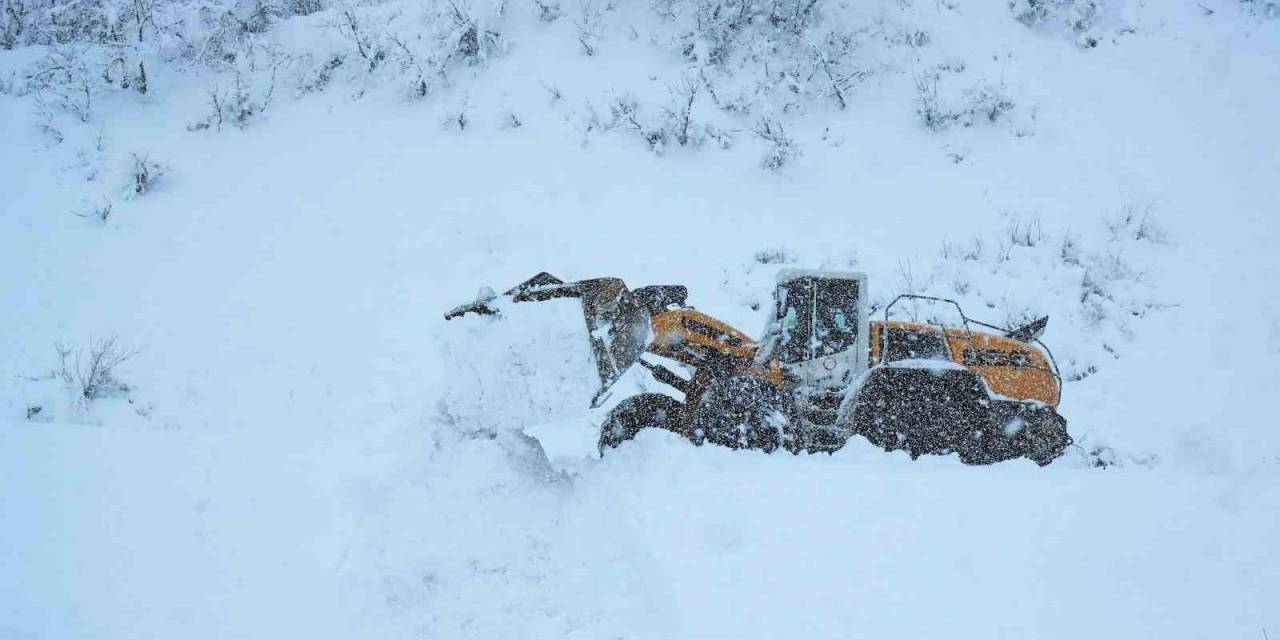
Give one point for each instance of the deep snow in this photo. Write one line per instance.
(308, 449)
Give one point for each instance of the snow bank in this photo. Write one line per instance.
(306, 448)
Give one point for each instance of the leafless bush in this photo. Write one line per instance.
(676, 124)
(370, 48)
(830, 60)
(983, 102)
(953, 251)
(553, 92)
(100, 212)
(1024, 233)
(1112, 267)
(240, 102)
(231, 105)
(132, 30)
(1263, 8)
(475, 43)
(1069, 251)
(680, 113)
(511, 120)
(548, 11)
(589, 21)
(625, 112)
(717, 28)
(1080, 17)
(774, 256)
(323, 75)
(777, 43)
(927, 105)
(15, 18)
(783, 148)
(986, 101)
(64, 81)
(1137, 223)
(91, 372)
(458, 118)
(392, 44)
(145, 176)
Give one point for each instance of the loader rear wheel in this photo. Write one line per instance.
(1034, 431)
(925, 411)
(744, 412)
(624, 421)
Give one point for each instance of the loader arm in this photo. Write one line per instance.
(617, 318)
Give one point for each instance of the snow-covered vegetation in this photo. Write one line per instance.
(229, 229)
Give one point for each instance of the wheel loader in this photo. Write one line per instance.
(822, 373)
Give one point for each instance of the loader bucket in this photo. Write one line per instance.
(617, 319)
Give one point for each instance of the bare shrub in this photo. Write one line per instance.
(350, 26)
(830, 60)
(1024, 233)
(1069, 251)
(589, 22)
(90, 372)
(982, 102)
(1079, 17)
(675, 124)
(233, 105)
(679, 114)
(100, 212)
(145, 175)
(548, 11)
(1135, 222)
(252, 88)
(985, 101)
(323, 74)
(955, 251)
(722, 26)
(625, 112)
(475, 43)
(1262, 8)
(774, 256)
(553, 92)
(783, 148)
(15, 16)
(927, 105)
(458, 118)
(64, 81)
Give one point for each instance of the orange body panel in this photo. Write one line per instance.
(1011, 368)
(706, 343)
(692, 337)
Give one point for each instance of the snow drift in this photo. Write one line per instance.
(298, 443)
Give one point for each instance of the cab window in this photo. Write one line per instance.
(795, 316)
(836, 320)
(912, 344)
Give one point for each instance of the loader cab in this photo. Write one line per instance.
(817, 333)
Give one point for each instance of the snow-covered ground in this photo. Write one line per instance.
(306, 449)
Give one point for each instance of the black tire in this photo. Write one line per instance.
(1023, 429)
(923, 411)
(641, 411)
(1043, 435)
(745, 412)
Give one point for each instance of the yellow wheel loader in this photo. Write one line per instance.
(822, 373)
